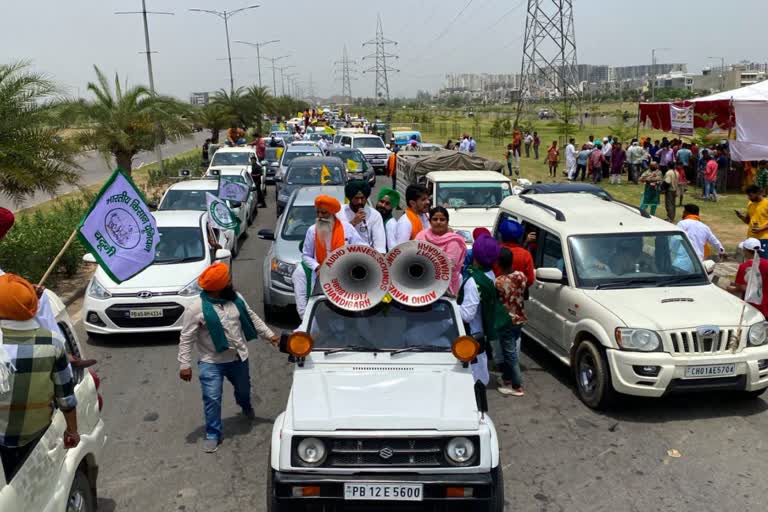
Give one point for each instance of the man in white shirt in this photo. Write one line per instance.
(464, 145)
(698, 233)
(328, 233)
(387, 201)
(570, 159)
(303, 282)
(366, 220)
(607, 147)
(415, 217)
(635, 158)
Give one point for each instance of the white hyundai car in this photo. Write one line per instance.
(155, 299)
(53, 478)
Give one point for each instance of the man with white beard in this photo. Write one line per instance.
(328, 234)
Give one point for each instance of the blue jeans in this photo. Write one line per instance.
(211, 381)
(709, 188)
(506, 354)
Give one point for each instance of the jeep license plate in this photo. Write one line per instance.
(145, 313)
(389, 492)
(712, 371)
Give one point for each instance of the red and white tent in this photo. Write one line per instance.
(745, 109)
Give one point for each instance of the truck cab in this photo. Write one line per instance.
(383, 413)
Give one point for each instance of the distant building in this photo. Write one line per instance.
(485, 87)
(199, 98)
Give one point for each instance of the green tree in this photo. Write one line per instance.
(260, 103)
(34, 156)
(215, 118)
(236, 101)
(121, 121)
(621, 129)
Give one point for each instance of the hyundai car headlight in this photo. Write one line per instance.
(643, 340)
(311, 451)
(97, 291)
(758, 334)
(460, 450)
(282, 268)
(191, 289)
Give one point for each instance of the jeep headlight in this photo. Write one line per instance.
(311, 451)
(643, 340)
(460, 450)
(191, 289)
(97, 291)
(758, 334)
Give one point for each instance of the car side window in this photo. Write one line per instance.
(70, 345)
(346, 141)
(551, 251)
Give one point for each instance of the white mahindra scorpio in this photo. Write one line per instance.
(622, 298)
(383, 414)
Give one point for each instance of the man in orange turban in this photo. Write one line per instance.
(219, 324)
(328, 234)
(34, 371)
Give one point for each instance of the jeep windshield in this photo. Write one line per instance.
(472, 195)
(385, 327)
(368, 143)
(635, 260)
(233, 158)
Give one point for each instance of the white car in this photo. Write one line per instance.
(53, 478)
(621, 297)
(155, 299)
(371, 146)
(381, 410)
(248, 209)
(305, 143)
(191, 195)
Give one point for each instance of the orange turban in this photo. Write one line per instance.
(214, 278)
(328, 203)
(18, 299)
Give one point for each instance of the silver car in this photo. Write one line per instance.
(283, 254)
(292, 152)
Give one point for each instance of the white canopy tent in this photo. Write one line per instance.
(750, 108)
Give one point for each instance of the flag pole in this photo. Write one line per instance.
(735, 345)
(58, 257)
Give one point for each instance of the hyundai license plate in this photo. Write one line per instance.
(145, 313)
(712, 371)
(389, 492)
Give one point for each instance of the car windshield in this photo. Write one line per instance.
(290, 155)
(313, 175)
(434, 325)
(368, 142)
(472, 195)
(185, 200)
(227, 158)
(402, 138)
(271, 155)
(636, 259)
(297, 222)
(315, 136)
(237, 178)
(179, 245)
(357, 156)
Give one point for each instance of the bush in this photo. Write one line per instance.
(35, 240)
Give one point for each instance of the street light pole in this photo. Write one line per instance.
(274, 68)
(258, 52)
(722, 71)
(282, 76)
(226, 15)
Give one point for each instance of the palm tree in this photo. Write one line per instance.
(34, 156)
(215, 117)
(261, 103)
(236, 102)
(122, 121)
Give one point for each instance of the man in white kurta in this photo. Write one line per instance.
(570, 159)
(417, 201)
(328, 233)
(366, 220)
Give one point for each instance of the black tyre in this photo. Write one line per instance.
(270, 313)
(236, 248)
(81, 498)
(593, 377)
(497, 501)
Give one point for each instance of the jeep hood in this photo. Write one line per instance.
(383, 397)
(679, 307)
(467, 219)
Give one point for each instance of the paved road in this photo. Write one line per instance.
(557, 454)
(95, 169)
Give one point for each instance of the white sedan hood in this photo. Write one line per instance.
(383, 397)
(160, 278)
(683, 307)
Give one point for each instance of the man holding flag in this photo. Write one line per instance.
(328, 233)
(750, 282)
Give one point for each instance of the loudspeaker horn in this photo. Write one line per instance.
(354, 277)
(420, 273)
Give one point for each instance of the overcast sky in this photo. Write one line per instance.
(66, 38)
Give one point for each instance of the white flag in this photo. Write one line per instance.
(220, 215)
(754, 291)
(232, 190)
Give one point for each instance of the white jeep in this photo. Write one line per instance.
(623, 299)
(383, 413)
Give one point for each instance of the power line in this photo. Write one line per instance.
(346, 86)
(381, 68)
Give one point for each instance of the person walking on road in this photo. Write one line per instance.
(218, 324)
(669, 187)
(35, 374)
(510, 286)
(415, 218)
(387, 202)
(698, 233)
(366, 220)
(511, 234)
(570, 159)
(652, 179)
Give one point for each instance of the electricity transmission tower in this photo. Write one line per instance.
(346, 86)
(381, 68)
(548, 68)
